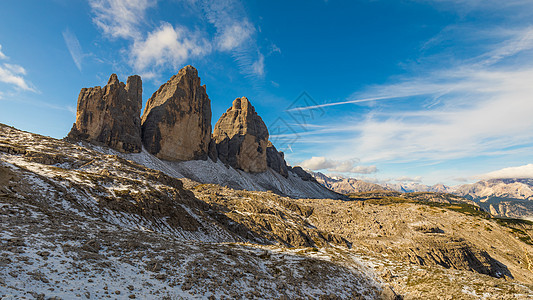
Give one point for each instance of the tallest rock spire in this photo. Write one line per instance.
(176, 123)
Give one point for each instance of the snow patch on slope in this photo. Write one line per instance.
(218, 173)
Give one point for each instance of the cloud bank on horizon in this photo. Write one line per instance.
(525, 171)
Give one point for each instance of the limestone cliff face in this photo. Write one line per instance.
(111, 115)
(241, 137)
(176, 123)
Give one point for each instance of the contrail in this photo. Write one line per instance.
(343, 102)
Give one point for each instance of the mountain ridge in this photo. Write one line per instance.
(505, 197)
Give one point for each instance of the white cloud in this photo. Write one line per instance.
(13, 74)
(171, 46)
(74, 47)
(343, 166)
(234, 35)
(408, 179)
(317, 163)
(258, 67)
(525, 171)
(120, 18)
(168, 45)
(15, 69)
(364, 169)
(2, 55)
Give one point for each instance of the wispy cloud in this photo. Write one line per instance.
(235, 33)
(2, 55)
(13, 74)
(8, 76)
(74, 47)
(258, 67)
(119, 18)
(274, 49)
(469, 107)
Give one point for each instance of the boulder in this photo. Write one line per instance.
(176, 123)
(110, 115)
(241, 137)
(276, 160)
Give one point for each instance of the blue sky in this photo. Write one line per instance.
(433, 91)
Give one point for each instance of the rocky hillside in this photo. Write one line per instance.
(110, 227)
(79, 223)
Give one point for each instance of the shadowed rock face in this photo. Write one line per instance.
(176, 123)
(276, 160)
(110, 115)
(241, 137)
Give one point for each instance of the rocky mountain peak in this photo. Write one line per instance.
(188, 69)
(241, 137)
(113, 79)
(176, 124)
(110, 115)
(243, 104)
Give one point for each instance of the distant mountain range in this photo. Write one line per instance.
(346, 185)
(509, 197)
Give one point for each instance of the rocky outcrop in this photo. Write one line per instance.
(276, 160)
(302, 174)
(176, 123)
(241, 137)
(110, 115)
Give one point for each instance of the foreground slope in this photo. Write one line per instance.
(76, 222)
(75, 217)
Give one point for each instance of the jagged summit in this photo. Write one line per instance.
(110, 115)
(241, 137)
(176, 123)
